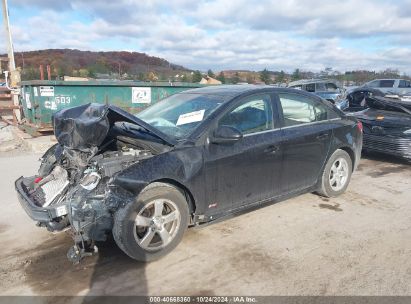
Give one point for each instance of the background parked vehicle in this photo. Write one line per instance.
(387, 126)
(391, 86)
(325, 88)
(357, 98)
(190, 159)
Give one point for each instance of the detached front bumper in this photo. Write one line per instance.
(37, 213)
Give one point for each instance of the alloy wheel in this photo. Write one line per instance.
(157, 224)
(339, 174)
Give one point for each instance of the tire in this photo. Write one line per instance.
(329, 185)
(145, 235)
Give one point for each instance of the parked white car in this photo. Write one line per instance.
(391, 86)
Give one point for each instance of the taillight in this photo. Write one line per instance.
(359, 125)
(38, 179)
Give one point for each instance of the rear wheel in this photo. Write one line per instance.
(153, 224)
(336, 175)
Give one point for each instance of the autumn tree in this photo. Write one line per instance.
(265, 76)
(296, 75)
(184, 78)
(281, 77)
(236, 78)
(250, 78)
(221, 77)
(196, 76)
(210, 73)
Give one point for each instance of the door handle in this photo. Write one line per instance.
(272, 149)
(322, 136)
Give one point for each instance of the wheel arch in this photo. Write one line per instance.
(351, 153)
(187, 193)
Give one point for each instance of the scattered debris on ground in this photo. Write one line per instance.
(8, 141)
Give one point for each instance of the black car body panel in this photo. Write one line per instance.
(217, 179)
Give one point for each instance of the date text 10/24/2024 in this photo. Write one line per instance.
(203, 299)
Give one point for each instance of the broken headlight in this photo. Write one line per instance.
(90, 181)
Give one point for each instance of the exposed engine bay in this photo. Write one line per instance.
(74, 181)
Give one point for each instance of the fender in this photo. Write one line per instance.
(184, 165)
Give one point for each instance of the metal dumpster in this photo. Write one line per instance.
(40, 99)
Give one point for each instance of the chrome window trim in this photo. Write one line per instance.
(289, 127)
(261, 132)
(311, 123)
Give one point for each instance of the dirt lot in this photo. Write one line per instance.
(357, 244)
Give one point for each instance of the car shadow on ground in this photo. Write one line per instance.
(383, 164)
(376, 156)
(110, 272)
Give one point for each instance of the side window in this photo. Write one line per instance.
(374, 84)
(254, 114)
(298, 109)
(387, 83)
(320, 87)
(331, 87)
(310, 87)
(404, 84)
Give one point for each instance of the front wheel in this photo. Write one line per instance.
(336, 175)
(153, 224)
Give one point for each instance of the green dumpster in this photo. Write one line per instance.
(40, 99)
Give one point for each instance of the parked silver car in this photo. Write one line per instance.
(325, 88)
(390, 86)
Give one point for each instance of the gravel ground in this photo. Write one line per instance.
(356, 244)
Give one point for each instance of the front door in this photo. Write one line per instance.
(306, 134)
(248, 170)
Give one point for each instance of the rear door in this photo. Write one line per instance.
(248, 170)
(306, 132)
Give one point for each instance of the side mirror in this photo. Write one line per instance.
(225, 135)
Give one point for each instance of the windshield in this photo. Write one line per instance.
(180, 114)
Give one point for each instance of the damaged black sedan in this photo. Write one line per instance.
(190, 159)
(387, 125)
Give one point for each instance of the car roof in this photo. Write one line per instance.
(386, 79)
(227, 90)
(308, 81)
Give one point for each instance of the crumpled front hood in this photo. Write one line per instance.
(86, 126)
(383, 103)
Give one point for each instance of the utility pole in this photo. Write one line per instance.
(10, 51)
(14, 74)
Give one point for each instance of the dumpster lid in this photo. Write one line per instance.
(86, 126)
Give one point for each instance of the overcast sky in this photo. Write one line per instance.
(225, 34)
